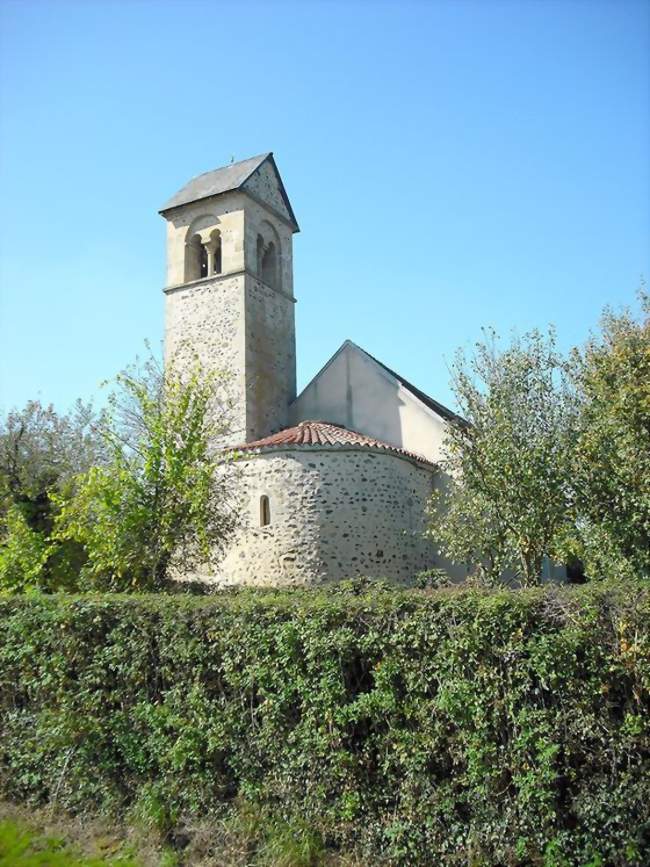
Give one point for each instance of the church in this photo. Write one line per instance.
(340, 475)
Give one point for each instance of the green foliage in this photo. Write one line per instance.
(504, 501)
(23, 554)
(159, 502)
(291, 844)
(21, 847)
(422, 727)
(554, 460)
(41, 451)
(611, 470)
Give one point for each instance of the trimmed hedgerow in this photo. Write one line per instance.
(451, 727)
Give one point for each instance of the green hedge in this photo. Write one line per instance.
(450, 727)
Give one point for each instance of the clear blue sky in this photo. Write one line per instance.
(451, 164)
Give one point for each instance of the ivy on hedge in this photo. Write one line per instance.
(452, 727)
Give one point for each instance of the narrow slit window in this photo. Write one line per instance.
(265, 511)
(194, 251)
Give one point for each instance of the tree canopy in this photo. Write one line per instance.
(121, 499)
(505, 499)
(611, 453)
(159, 503)
(553, 459)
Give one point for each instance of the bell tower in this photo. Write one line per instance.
(229, 289)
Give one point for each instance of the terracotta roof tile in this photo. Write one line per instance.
(323, 433)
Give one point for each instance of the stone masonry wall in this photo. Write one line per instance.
(263, 184)
(270, 359)
(335, 514)
(207, 319)
(232, 321)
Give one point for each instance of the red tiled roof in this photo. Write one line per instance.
(323, 433)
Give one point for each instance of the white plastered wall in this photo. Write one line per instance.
(353, 390)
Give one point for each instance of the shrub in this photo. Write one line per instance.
(23, 554)
(445, 727)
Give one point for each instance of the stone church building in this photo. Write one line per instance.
(340, 474)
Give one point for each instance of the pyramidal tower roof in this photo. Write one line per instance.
(225, 180)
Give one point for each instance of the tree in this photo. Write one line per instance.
(612, 449)
(160, 503)
(505, 501)
(41, 451)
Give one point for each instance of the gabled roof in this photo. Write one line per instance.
(322, 433)
(225, 180)
(429, 402)
(438, 408)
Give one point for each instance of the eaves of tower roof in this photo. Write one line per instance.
(224, 180)
(213, 183)
(326, 434)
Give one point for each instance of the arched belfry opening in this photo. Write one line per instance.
(268, 258)
(196, 259)
(203, 248)
(270, 265)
